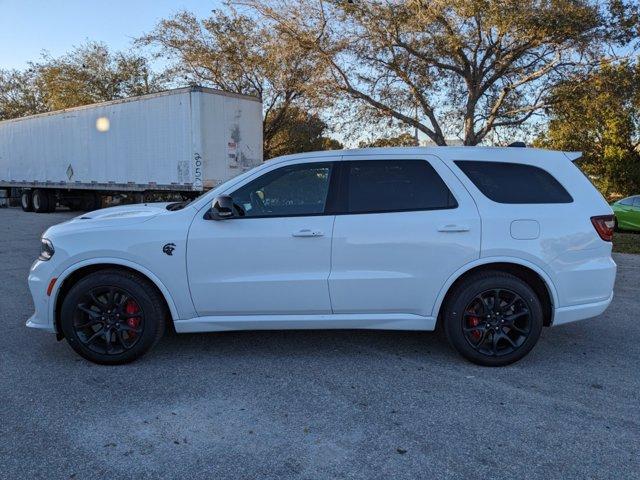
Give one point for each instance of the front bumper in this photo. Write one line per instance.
(40, 275)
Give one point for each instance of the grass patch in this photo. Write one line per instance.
(626, 242)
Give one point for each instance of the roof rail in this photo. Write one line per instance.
(517, 144)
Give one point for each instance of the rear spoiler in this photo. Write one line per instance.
(573, 156)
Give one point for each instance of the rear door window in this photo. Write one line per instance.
(376, 186)
(514, 182)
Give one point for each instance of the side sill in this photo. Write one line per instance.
(306, 322)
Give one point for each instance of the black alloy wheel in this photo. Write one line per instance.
(493, 318)
(108, 320)
(497, 322)
(113, 316)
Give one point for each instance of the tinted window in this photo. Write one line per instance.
(636, 202)
(627, 201)
(293, 190)
(395, 185)
(514, 182)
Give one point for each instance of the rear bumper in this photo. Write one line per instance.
(574, 313)
(584, 277)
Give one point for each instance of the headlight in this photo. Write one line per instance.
(46, 250)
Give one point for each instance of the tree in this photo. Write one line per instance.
(233, 52)
(600, 116)
(462, 68)
(90, 74)
(300, 131)
(402, 140)
(19, 95)
(87, 74)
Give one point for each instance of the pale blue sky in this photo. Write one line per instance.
(28, 27)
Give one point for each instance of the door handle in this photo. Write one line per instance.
(454, 228)
(306, 232)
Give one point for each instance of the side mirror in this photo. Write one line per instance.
(221, 208)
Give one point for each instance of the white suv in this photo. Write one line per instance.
(491, 244)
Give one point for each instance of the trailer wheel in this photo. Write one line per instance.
(25, 201)
(40, 200)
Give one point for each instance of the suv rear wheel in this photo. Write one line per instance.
(493, 318)
(112, 317)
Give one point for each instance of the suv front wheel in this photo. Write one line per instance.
(112, 317)
(493, 318)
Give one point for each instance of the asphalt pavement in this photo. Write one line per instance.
(315, 405)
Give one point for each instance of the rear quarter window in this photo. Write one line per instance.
(515, 183)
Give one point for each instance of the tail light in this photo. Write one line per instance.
(604, 225)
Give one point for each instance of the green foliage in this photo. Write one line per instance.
(402, 140)
(91, 74)
(600, 116)
(87, 74)
(467, 67)
(300, 131)
(19, 95)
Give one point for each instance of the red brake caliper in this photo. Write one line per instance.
(131, 308)
(474, 322)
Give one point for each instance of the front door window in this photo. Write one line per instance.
(295, 190)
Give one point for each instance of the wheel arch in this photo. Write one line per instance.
(80, 270)
(526, 271)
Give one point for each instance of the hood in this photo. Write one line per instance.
(136, 212)
(111, 217)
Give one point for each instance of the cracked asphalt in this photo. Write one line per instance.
(315, 405)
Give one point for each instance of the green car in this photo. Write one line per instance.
(627, 213)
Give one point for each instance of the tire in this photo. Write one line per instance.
(40, 201)
(25, 201)
(85, 321)
(471, 324)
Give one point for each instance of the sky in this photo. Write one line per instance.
(27, 27)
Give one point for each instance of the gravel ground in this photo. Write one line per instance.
(314, 405)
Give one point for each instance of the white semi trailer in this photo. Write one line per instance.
(180, 141)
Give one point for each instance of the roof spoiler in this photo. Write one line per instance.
(573, 156)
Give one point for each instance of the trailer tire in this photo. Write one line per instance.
(40, 200)
(25, 201)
